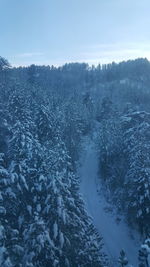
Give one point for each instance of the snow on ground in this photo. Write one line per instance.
(116, 236)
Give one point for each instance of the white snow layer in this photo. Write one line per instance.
(116, 236)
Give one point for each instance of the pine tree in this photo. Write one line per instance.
(122, 259)
(4, 223)
(39, 248)
(137, 177)
(144, 254)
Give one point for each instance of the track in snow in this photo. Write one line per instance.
(115, 236)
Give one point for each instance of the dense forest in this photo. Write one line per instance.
(45, 113)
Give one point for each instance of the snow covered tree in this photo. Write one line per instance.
(32, 74)
(127, 179)
(9, 237)
(109, 145)
(137, 180)
(122, 259)
(4, 64)
(39, 248)
(70, 229)
(144, 254)
(4, 254)
(4, 223)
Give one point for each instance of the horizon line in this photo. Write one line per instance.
(88, 62)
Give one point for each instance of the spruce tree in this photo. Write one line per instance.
(122, 259)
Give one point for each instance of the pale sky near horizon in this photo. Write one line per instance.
(59, 31)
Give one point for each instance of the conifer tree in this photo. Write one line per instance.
(122, 259)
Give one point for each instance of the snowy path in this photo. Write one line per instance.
(115, 236)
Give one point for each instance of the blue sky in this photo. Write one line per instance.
(59, 31)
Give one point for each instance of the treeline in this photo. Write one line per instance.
(75, 73)
(43, 221)
(123, 82)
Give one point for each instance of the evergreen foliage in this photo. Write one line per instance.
(43, 221)
(45, 111)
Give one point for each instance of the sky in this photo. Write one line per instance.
(54, 32)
